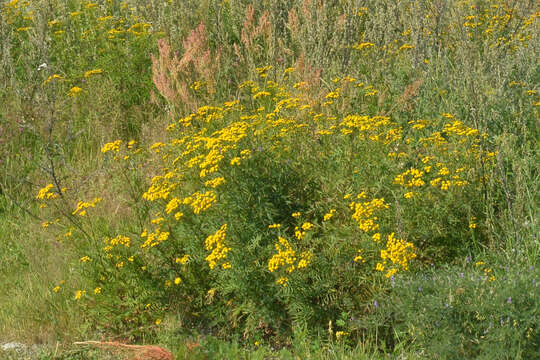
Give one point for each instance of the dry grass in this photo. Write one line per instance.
(131, 352)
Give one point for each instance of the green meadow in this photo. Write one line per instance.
(271, 179)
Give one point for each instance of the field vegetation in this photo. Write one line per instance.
(270, 179)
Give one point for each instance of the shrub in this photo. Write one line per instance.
(270, 210)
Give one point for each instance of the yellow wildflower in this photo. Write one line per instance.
(172, 205)
(52, 77)
(261, 94)
(178, 215)
(183, 260)
(44, 191)
(92, 72)
(307, 225)
(364, 45)
(74, 91)
(359, 256)
(216, 244)
(112, 146)
(79, 294)
(329, 215)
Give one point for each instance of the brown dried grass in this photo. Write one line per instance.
(133, 352)
(173, 75)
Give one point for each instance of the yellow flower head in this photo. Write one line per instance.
(183, 260)
(329, 215)
(79, 294)
(74, 91)
(92, 72)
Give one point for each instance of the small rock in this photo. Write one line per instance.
(13, 346)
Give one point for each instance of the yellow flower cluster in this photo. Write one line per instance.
(399, 252)
(363, 212)
(300, 231)
(261, 94)
(286, 257)
(74, 91)
(112, 146)
(359, 257)
(160, 188)
(52, 77)
(156, 147)
(364, 45)
(329, 215)
(44, 193)
(79, 294)
(182, 260)
(92, 72)
(364, 123)
(214, 183)
(172, 205)
(120, 240)
(200, 202)
(445, 183)
(459, 129)
(83, 205)
(154, 238)
(410, 178)
(215, 243)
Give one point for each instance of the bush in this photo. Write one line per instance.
(274, 210)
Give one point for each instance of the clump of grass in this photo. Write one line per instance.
(477, 310)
